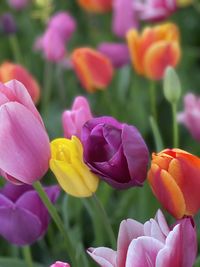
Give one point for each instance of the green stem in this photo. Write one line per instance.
(47, 86)
(27, 256)
(152, 92)
(52, 211)
(15, 48)
(61, 85)
(105, 220)
(175, 126)
(156, 134)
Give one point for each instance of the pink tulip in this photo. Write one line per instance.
(154, 10)
(152, 244)
(60, 264)
(18, 4)
(191, 115)
(117, 53)
(64, 24)
(24, 143)
(74, 119)
(124, 17)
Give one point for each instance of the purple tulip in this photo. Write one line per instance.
(191, 115)
(24, 143)
(124, 17)
(8, 24)
(115, 151)
(152, 244)
(74, 119)
(117, 53)
(23, 217)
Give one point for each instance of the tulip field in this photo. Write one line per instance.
(100, 133)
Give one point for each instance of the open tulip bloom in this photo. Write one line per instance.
(152, 244)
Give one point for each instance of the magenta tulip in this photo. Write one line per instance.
(191, 115)
(153, 244)
(18, 4)
(24, 143)
(117, 53)
(74, 119)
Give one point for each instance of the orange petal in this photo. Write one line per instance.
(167, 32)
(10, 71)
(94, 70)
(167, 192)
(159, 56)
(96, 6)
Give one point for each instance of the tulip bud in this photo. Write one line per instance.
(60, 264)
(8, 24)
(171, 85)
(72, 173)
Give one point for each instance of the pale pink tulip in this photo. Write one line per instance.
(18, 4)
(24, 143)
(60, 264)
(153, 244)
(74, 119)
(190, 117)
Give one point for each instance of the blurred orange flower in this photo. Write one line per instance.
(174, 177)
(96, 6)
(93, 69)
(10, 71)
(154, 49)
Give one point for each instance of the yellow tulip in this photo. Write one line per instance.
(72, 173)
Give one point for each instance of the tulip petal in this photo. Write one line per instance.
(159, 56)
(13, 192)
(106, 257)
(167, 191)
(24, 144)
(143, 252)
(135, 148)
(11, 228)
(129, 230)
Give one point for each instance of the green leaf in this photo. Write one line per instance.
(8, 262)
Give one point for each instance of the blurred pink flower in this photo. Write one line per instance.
(124, 17)
(154, 10)
(190, 117)
(18, 4)
(74, 119)
(153, 244)
(117, 53)
(24, 143)
(60, 264)
(64, 24)
(58, 32)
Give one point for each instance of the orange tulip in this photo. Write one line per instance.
(93, 69)
(10, 71)
(155, 49)
(174, 177)
(96, 6)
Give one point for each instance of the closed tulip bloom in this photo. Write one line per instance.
(175, 181)
(190, 117)
(60, 264)
(74, 119)
(124, 17)
(72, 173)
(96, 6)
(152, 244)
(154, 49)
(10, 71)
(23, 217)
(115, 151)
(64, 24)
(24, 143)
(93, 69)
(117, 53)
(8, 24)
